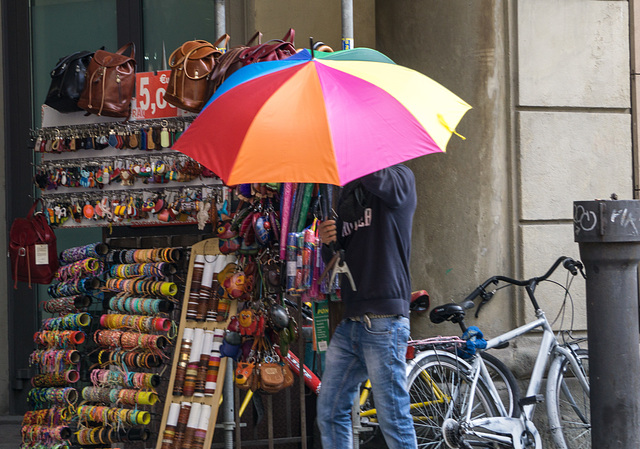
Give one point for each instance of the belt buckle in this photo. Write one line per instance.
(362, 319)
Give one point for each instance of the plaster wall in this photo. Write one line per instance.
(320, 20)
(462, 230)
(551, 124)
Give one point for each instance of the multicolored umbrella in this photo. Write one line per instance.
(328, 118)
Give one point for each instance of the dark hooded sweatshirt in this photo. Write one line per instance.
(378, 244)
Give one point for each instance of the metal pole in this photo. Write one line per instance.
(608, 233)
(347, 24)
(355, 422)
(301, 351)
(220, 13)
(228, 420)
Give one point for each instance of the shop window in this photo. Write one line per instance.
(62, 27)
(170, 23)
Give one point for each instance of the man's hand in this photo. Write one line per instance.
(327, 231)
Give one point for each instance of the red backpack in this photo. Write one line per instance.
(32, 249)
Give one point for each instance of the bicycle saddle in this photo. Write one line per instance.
(419, 301)
(447, 312)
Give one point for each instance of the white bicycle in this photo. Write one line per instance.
(459, 405)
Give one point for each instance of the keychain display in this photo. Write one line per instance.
(145, 135)
(90, 174)
(187, 204)
(135, 178)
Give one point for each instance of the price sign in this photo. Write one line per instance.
(150, 102)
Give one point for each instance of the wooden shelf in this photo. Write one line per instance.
(207, 247)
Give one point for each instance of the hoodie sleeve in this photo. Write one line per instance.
(392, 185)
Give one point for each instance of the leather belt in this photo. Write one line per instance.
(367, 317)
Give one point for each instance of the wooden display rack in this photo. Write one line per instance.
(207, 247)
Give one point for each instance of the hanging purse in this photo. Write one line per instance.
(242, 55)
(288, 375)
(191, 66)
(67, 82)
(32, 249)
(110, 83)
(272, 377)
(273, 50)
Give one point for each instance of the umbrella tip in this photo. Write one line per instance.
(311, 45)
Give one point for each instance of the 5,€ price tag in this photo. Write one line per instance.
(150, 102)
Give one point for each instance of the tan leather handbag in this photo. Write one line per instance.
(110, 83)
(191, 67)
(272, 377)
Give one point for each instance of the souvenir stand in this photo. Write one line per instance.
(189, 276)
(102, 358)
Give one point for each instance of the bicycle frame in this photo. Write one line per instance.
(548, 350)
(547, 346)
(441, 396)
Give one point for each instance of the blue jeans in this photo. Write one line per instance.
(356, 352)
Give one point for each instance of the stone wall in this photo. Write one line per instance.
(551, 124)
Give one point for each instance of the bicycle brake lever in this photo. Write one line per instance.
(486, 297)
(479, 307)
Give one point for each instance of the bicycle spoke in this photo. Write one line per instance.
(571, 403)
(439, 391)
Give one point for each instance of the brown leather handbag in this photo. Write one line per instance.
(288, 376)
(272, 377)
(110, 83)
(273, 50)
(191, 67)
(240, 56)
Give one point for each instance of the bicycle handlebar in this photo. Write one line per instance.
(573, 266)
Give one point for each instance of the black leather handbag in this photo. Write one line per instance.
(67, 81)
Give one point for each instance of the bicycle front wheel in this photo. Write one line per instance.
(505, 383)
(439, 389)
(568, 405)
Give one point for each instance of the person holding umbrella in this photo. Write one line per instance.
(373, 227)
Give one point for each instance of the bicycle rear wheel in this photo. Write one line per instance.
(439, 390)
(568, 404)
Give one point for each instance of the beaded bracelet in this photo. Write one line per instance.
(90, 266)
(139, 305)
(78, 287)
(59, 338)
(65, 305)
(82, 252)
(72, 321)
(142, 323)
(39, 397)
